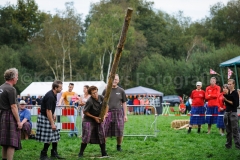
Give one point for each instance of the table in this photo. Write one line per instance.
(165, 107)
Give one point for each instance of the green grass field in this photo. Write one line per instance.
(169, 144)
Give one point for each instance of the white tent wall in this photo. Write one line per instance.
(41, 88)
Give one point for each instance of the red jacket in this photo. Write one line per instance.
(211, 95)
(136, 101)
(221, 102)
(197, 98)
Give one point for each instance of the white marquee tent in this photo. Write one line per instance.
(41, 88)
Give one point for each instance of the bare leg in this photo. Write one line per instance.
(4, 152)
(119, 140)
(25, 135)
(209, 128)
(10, 153)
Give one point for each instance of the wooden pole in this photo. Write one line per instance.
(116, 62)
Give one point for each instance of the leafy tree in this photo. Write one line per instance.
(58, 41)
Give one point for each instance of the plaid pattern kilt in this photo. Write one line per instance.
(197, 120)
(44, 132)
(220, 123)
(114, 123)
(93, 132)
(211, 119)
(26, 128)
(10, 135)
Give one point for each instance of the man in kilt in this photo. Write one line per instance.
(10, 125)
(92, 129)
(46, 129)
(197, 96)
(211, 94)
(117, 114)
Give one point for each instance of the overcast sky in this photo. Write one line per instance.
(196, 9)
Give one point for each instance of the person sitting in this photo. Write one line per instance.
(182, 107)
(25, 118)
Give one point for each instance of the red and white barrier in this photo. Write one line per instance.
(59, 112)
(64, 125)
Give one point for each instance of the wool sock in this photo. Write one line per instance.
(54, 146)
(83, 146)
(46, 146)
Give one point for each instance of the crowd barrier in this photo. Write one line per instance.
(146, 128)
(63, 114)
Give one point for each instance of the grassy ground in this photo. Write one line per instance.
(168, 144)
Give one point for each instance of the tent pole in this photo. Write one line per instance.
(222, 76)
(235, 67)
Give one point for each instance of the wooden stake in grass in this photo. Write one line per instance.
(116, 62)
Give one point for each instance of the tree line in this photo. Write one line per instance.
(165, 52)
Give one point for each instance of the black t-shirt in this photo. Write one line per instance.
(48, 102)
(8, 96)
(117, 97)
(93, 107)
(39, 101)
(234, 97)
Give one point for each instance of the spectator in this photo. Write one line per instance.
(211, 95)
(130, 102)
(230, 117)
(182, 107)
(221, 110)
(188, 105)
(33, 100)
(67, 99)
(197, 96)
(137, 103)
(39, 100)
(83, 99)
(29, 99)
(141, 108)
(18, 98)
(146, 103)
(25, 118)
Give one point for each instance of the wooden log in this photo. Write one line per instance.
(116, 62)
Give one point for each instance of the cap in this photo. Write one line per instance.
(22, 102)
(199, 84)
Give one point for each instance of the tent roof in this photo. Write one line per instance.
(41, 88)
(143, 90)
(231, 62)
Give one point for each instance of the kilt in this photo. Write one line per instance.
(220, 123)
(44, 132)
(211, 119)
(10, 135)
(93, 132)
(26, 128)
(114, 123)
(197, 120)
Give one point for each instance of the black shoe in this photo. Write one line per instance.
(55, 154)
(43, 156)
(104, 154)
(189, 131)
(227, 146)
(119, 148)
(198, 131)
(80, 155)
